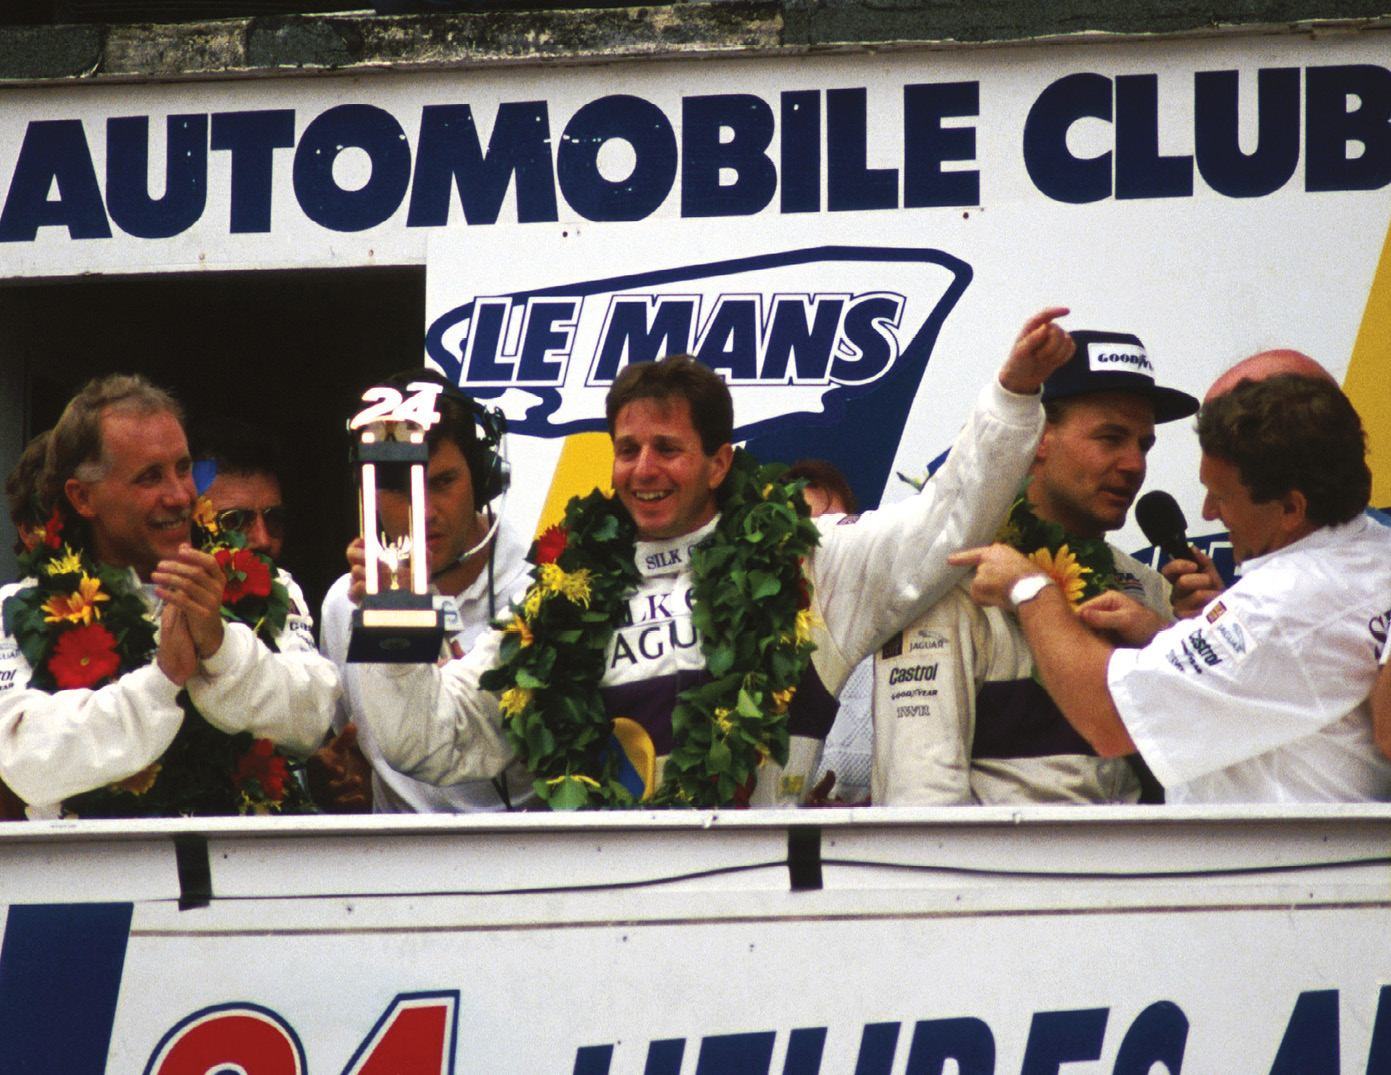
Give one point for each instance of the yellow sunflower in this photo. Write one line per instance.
(204, 515)
(514, 701)
(80, 606)
(1064, 570)
(141, 782)
(521, 629)
(580, 777)
(67, 564)
(807, 621)
(574, 585)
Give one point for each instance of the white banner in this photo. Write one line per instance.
(852, 239)
(986, 942)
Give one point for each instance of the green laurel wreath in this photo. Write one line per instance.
(751, 612)
(204, 771)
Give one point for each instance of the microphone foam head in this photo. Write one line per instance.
(1160, 517)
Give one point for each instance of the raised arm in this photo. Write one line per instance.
(288, 696)
(881, 573)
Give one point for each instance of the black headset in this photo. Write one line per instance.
(488, 471)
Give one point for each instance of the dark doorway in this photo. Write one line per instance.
(289, 351)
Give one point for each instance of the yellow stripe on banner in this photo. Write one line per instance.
(586, 463)
(1368, 382)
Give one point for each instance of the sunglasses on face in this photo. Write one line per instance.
(273, 518)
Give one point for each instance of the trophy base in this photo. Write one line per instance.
(396, 628)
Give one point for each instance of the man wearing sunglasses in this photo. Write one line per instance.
(246, 491)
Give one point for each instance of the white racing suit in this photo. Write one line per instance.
(53, 746)
(870, 575)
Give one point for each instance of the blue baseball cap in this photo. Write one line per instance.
(1115, 362)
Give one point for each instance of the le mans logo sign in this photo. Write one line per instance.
(809, 340)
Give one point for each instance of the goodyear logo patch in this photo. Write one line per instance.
(1123, 357)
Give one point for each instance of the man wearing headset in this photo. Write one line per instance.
(477, 564)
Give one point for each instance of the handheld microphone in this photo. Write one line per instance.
(1163, 524)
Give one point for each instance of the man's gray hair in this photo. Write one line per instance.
(76, 449)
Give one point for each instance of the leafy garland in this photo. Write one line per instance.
(1082, 567)
(752, 612)
(83, 626)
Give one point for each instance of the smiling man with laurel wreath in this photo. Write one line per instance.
(682, 643)
(130, 685)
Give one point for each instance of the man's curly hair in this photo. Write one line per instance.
(1292, 432)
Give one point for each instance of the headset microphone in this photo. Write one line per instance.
(1163, 524)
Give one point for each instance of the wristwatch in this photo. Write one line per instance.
(1027, 588)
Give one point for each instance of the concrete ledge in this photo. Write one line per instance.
(278, 45)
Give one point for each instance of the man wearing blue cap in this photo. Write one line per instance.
(960, 716)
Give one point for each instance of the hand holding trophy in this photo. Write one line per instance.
(396, 621)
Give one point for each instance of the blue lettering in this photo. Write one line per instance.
(730, 340)
(804, 1048)
(185, 176)
(1140, 171)
(252, 138)
(801, 151)
(483, 353)
(1329, 127)
(1379, 1054)
(643, 329)
(657, 603)
(877, 1044)
(807, 343)
(1310, 1044)
(593, 1059)
(542, 340)
(1216, 145)
(704, 155)
(54, 152)
(449, 152)
(643, 126)
(374, 131)
(677, 642)
(643, 636)
(1058, 1038)
(1050, 164)
(866, 333)
(927, 144)
(1158, 1036)
(736, 1054)
(968, 1041)
(664, 1057)
(622, 651)
(850, 183)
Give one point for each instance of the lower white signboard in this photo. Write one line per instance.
(874, 942)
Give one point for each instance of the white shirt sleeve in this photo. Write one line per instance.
(1245, 678)
(53, 746)
(886, 569)
(437, 724)
(288, 697)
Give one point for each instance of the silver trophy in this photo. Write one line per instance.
(397, 621)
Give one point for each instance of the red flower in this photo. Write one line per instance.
(803, 593)
(248, 574)
(53, 529)
(84, 657)
(551, 544)
(264, 766)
